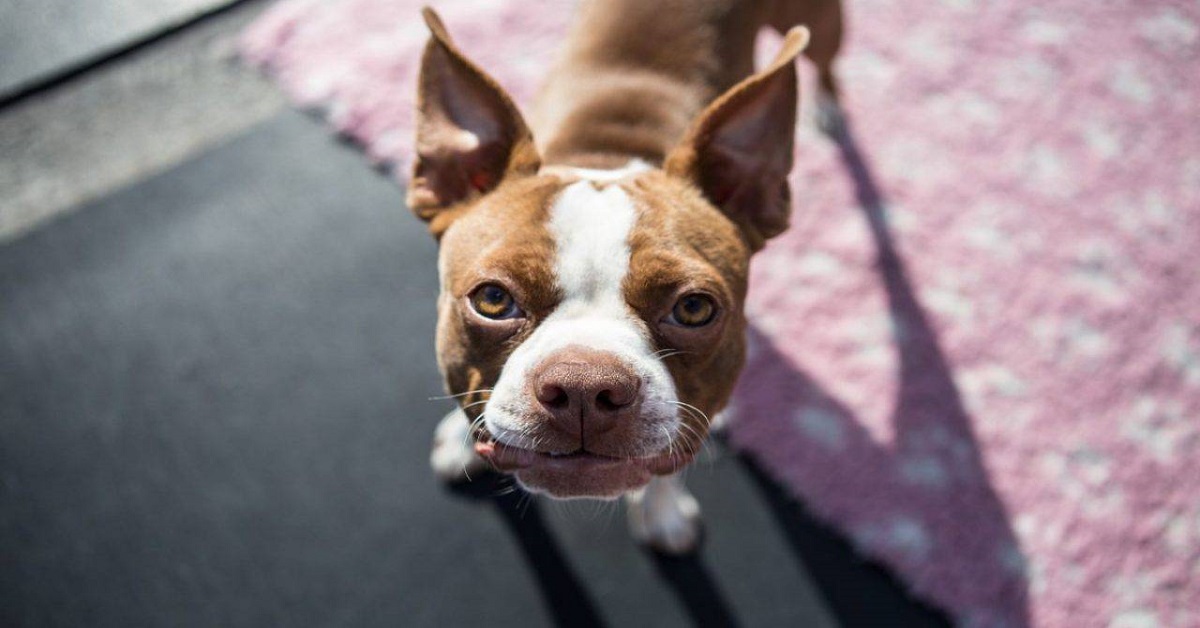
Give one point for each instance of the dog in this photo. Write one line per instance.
(593, 264)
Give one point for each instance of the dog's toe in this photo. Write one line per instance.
(666, 518)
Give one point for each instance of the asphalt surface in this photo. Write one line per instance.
(214, 402)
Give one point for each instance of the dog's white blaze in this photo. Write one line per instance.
(591, 230)
(634, 166)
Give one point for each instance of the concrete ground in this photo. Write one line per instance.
(126, 119)
(215, 368)
(44, 39)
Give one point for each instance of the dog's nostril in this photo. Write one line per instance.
(553, 396)
(604, 401)
(610, 399)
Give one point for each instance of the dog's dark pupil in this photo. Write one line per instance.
(494, 296)
(694, 310)
(694, 307)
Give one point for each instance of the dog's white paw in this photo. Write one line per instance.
(453, 458)
(665, 517)
(720, 421)
(831, 120)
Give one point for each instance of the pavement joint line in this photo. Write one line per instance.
(135, 116)
(71, 71)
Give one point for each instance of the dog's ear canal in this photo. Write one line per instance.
(470, 135)
(739, 150)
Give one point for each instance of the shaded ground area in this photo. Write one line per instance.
(216, 412)
(215, 382)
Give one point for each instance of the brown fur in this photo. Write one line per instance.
(631, 85)
(682, 244)
(632, 79)
(503, 236)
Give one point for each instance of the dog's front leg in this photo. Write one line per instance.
(453, 457)
(665, 516)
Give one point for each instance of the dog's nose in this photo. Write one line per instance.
(586, 392)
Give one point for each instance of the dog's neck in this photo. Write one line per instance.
(636, 73)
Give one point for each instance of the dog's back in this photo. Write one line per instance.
(636, 73)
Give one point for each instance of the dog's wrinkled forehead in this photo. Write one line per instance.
(506, 235)
(573, 235)
(564, 232)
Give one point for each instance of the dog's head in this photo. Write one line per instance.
(591, 321)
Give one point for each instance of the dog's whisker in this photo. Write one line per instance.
(524, 503)
(462, 394)
(695, 440)
(475, 403)
(690, 406)
(705, 448)
(695, 414)
(472, 429)
(469, 438)
(671, 453)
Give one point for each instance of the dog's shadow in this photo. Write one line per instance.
(932, 502)
(564, 595)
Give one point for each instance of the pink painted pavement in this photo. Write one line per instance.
(977, 351)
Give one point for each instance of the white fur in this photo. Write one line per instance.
(453, 457)
(635, 166)
(591, 231)
(665, 516)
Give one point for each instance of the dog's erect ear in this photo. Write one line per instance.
(470, 135)
(739, 150)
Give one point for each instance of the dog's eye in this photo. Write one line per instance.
(492, 301)
(693, 310)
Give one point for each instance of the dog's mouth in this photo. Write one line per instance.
(579, 473)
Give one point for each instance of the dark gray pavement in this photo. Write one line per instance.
(214, 412)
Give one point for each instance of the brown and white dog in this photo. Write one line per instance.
(593, 279)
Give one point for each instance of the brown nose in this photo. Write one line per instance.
(586, 392)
